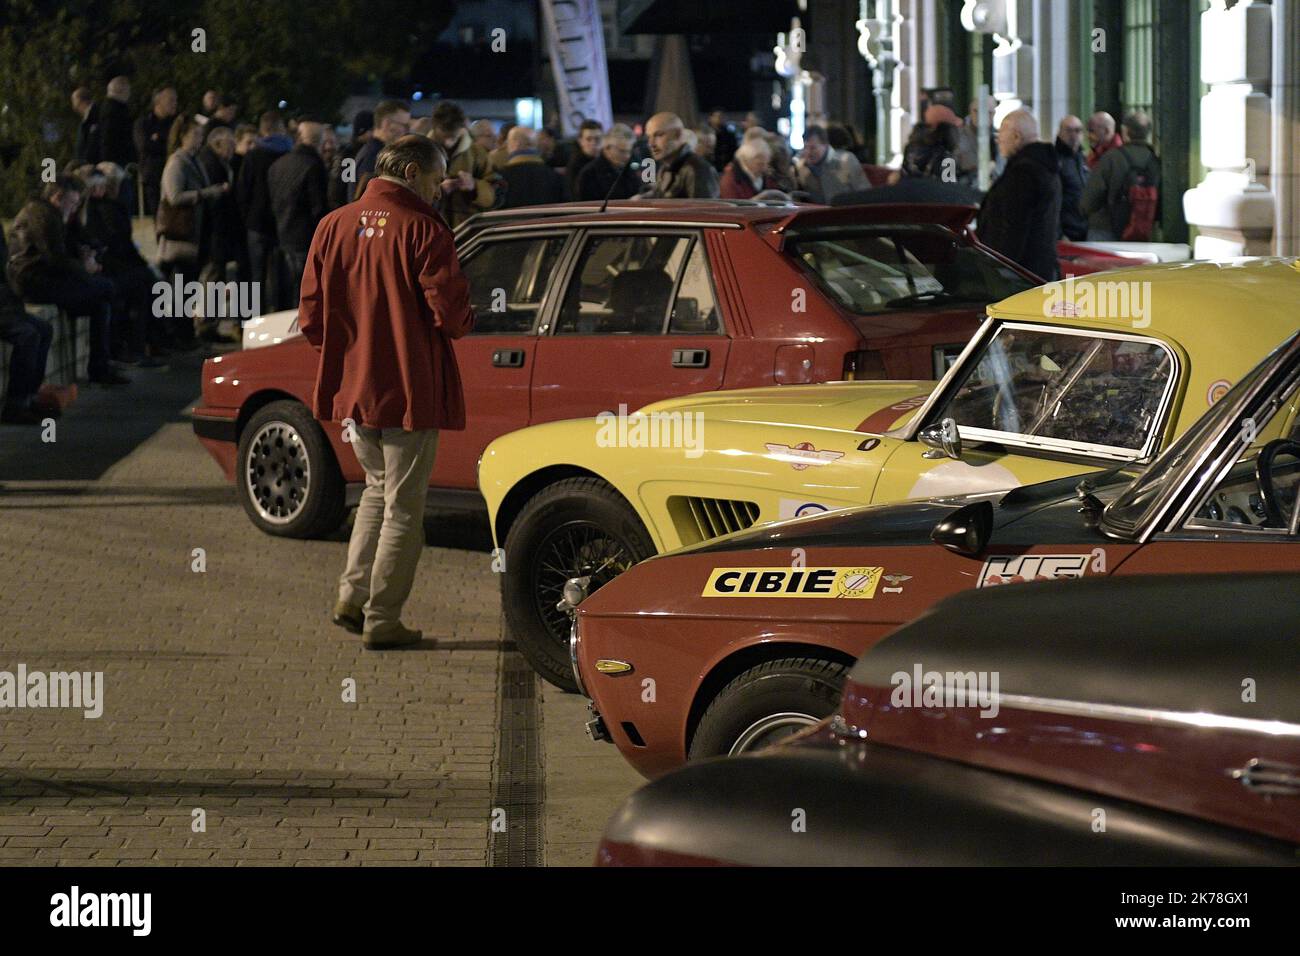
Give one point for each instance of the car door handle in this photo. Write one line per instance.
(1268, 777)
(690, 358)
(508, 358)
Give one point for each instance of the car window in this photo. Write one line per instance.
(904, 267)
(622, 285)
(1076, 389)
(695, 311)
(507, 281)
(1237, 500)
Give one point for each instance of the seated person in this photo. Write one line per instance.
(41, 270)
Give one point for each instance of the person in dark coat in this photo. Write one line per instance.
(610, 174)
(680, 174)
(297, 186)
(1074, 174)
(528, 180)
(590, 135)
(29, 339)
(725, 141)
(392, 121)
(44, 270)
(254, 202)
(362, 124)
(226, 236)
(1105, 199)
(107, 222)
(1021, 214)
(87, 148)
(151, 132)
(116, 141)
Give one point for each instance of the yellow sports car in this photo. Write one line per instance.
(1068, 378)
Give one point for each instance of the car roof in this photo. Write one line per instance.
(1192, 303)
(733, 212)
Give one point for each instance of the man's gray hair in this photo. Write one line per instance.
(1138, 126)
(412, 148)
(754, 149)
(620, 134)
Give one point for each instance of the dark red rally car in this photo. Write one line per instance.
(581, 310)
(1138, 721)
(731, 645)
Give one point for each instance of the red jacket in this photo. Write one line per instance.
(736, 183)
(382, 298)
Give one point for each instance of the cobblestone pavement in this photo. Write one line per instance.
(227, 735)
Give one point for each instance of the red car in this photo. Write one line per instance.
(731, 645)
(1097, 723)
(581, 310)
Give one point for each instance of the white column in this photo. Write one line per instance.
(1285, 161)
(1233, 208)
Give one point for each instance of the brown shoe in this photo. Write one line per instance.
(56, 396)
(394, 635)
(348, 616)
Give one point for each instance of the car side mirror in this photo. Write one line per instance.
(967, 530)
(943, 440)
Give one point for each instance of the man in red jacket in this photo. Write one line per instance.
(382, 298)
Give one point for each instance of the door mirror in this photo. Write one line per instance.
(943, 440)
(967, 530)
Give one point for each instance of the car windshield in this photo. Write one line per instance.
(900, 267)
(1080, 391)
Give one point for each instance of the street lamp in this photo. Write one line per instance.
(789, 52)
(877, 37)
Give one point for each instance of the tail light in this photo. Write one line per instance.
(863, 365)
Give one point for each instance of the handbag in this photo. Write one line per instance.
(177, 222)
(174, 222)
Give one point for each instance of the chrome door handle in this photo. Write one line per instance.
(1268, 777)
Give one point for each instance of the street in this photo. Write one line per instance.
(239, 726)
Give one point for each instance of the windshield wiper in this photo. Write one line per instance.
(925, 298)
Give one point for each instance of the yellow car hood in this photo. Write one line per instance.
(843, 405)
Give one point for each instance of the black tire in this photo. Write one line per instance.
(803, 686)
(300, 490)
(569, 528)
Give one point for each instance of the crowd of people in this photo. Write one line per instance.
(233, 200)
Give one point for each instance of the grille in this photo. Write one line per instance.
(700, 519)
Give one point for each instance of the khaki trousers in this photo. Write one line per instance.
(388, 534)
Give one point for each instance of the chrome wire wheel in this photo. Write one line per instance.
(277, 471)
(574, 549)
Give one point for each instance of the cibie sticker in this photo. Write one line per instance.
(792, 582)
(797, 508)
(1020, 568)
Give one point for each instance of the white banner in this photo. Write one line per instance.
(575, 43)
